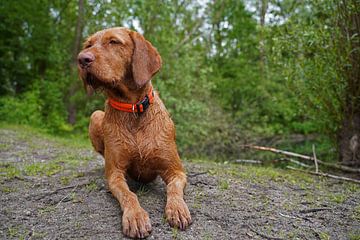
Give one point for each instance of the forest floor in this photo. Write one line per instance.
(54, 188)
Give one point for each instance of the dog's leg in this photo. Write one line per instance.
(176, 210)
(135, 220)
(95, 131)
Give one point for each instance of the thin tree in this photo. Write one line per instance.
(262, 5)
(349, 43)
(73, 65)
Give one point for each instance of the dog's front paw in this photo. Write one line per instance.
(136, 223)
(177, 213)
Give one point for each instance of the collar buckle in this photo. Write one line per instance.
(143, 104)
(138, 107)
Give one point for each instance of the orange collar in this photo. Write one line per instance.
(138, 107)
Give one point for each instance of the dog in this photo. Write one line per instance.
(135, 133)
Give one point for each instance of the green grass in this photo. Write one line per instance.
(267, 174)
(261, 173)
(199, 195)
(71, 157)
(338, 198)
(41, 169)
(143, 190)
(7, 190)
(224, 184)
(4, 147)
(324, 236)
(354, 236)
(65, 180)
(26, 133)
(13, 231)
(17, 232)
(9, 171)
(356, 213)
(47, 209)
(92, 186)
(35, 139)
(175, 233)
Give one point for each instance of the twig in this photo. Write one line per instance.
(295, 162)
(25, 178)
(198, 183)
(315, 159)
(326, 175)
(292, 154)
(295, 217)
(313, 210)
(48, 193)
(280, 159)
(263, 235)
(66, 196)
(248, 161)
(196, 174)
(288, 216)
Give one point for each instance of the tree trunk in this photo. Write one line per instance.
(349, 140)
(78, 31)
(349, 44)
(77, 45)
(263, 5)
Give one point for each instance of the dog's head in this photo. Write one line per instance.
(117, 58)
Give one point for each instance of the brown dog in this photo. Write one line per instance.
(137, 140)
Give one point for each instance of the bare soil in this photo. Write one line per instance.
(54, 188)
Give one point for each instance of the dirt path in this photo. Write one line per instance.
(54, 188)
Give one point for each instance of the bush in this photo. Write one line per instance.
(25, 109)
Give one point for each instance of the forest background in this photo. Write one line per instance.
(281, 73)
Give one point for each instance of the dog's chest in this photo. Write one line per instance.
(145, 156)
(141, 139)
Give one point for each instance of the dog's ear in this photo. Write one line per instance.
(146, 61)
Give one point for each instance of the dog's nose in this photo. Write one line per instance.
(85, 59)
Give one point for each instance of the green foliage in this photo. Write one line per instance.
(226, 78)
(40, 106)
(312, 52)
(24, 109)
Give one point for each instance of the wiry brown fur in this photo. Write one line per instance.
(139, 145)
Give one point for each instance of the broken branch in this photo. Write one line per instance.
(262, 161)
(326, 175)
(66, 196)
(315, 159)
(248, 161)
(312, 210)
(305, 157)
(196, 174)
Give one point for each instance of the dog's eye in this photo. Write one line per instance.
(88, 46)
(114, 41)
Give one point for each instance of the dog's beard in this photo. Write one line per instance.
(95, 84)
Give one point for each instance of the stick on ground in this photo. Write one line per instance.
(315, 159)
(326, 175)
(305, 157)
(250, 161)
(67, 196)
